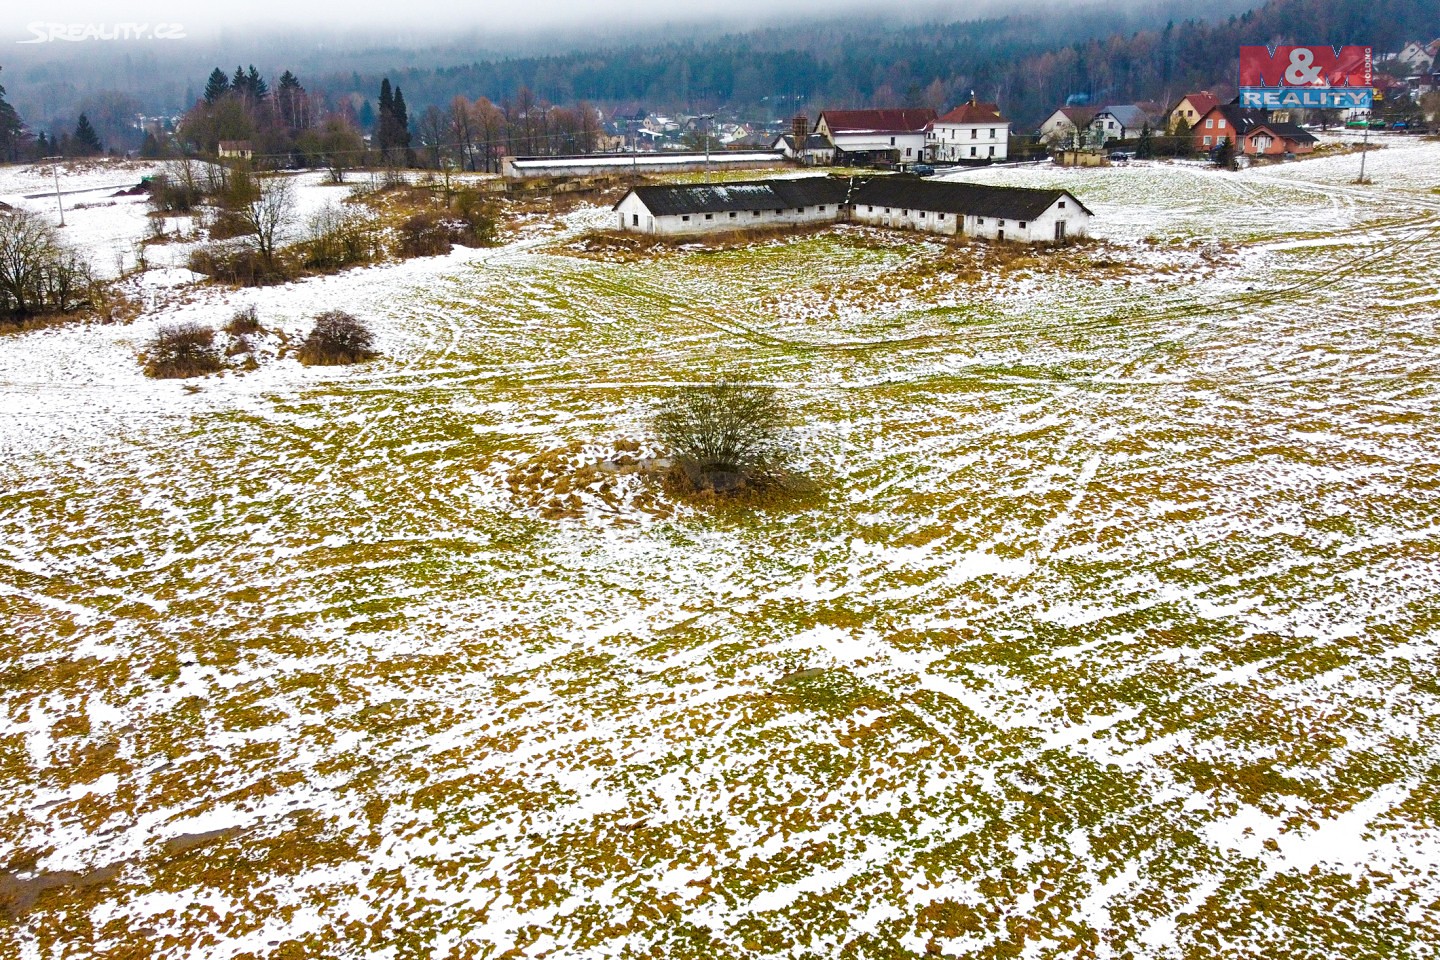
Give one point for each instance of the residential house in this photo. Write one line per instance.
(1123, 121)
(1418, 57)
(240, 149)
(817, 150)
(1060, 126)
(1191, 108)
(904, 203)
(971, 132)
(1251, 132)
(864, 136)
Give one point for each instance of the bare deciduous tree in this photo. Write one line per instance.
(724, 435)
(269, 209)
(38, 272)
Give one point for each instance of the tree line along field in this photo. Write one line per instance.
(1110, 628)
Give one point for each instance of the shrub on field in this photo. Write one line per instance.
(245, 321)
(182, 350)
(242, 265)
(337, 338)
(425, 234)
(339, 237)
(724, 436)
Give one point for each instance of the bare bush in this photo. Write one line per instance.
(244, 322)
(182, 350)
(240, 265)
(425, 234)
(179, 188)
(337, 338)
(38, 272)
(724, 436)
(338, 236)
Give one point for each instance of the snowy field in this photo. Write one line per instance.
(1114, 631)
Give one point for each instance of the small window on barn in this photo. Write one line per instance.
(821, 208)
(635, 220)
(869, 209)
(732, 214)
(709, 216)
(940, 216)
(904, 213)
(887, 209)
(779, 212)
(1022, 224)
(686, 218)
(979, 221)
(799, 209)
(974, 134)
(757, 213)
(1062, 204)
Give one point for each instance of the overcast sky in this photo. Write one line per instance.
(418, 15)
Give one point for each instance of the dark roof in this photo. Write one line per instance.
(1244, 120)
(741, 195)
(945, 196)
(812, 142)
(878, 121)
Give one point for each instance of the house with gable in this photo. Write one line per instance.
(1252, 132)
(1059, 128)
(973, 131)
(1190, 108)
(1123, 121)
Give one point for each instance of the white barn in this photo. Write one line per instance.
(972, 131)
(901, 203)
(712, 208)
(970, 209)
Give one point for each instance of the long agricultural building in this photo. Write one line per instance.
(903, 203)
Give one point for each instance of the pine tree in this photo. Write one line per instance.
(401, 124)
(290, 98)
(256, 85)
(239, 82)
(1225, 155)
(87, 141)
(385, 133)
(217, 86)
(11, 129)
(1145, 149)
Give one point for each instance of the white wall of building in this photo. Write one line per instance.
(909, 146)
(969, 141)
(1040, 230)
(898, 218)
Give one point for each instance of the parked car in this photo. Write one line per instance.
(923, 170)
(1122, 156)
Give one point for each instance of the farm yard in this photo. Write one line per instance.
(1109, 629)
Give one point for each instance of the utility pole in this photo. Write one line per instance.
(55, 171)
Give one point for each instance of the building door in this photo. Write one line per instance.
(1000, 235)
(1060, 230)
(650, 224)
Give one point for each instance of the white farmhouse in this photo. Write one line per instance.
(1061, 126)
(864, 136)
(972, 131)
(713, 208)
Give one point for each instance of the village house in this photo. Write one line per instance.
(240, 149)
(867, 136)
(1251, 132)
(1060, 126)
(903, 203)
(817, 152)
(1121, 122)
(1191, 108)
(972, 131)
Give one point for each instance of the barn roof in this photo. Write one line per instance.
(945, 196)
(741, 196)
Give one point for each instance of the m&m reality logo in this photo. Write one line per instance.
(1313, 76)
